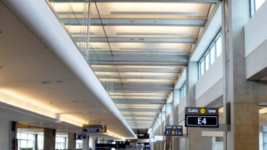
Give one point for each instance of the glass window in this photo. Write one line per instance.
(79, 144)
(202, 67)
(183, 91)
(219, 47)
(207, 61)
(40, 143)
(258, 4)
(212, 55)
(26, 140)
(60, 143)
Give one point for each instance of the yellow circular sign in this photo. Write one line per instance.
(202, 110)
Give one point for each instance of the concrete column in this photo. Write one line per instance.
(176, 101)
(194, 134)
(191, 80)
(176, 98)
(71, 141)
(168, 112)
(94, 143)
(240, 93)
(86, 143)
(175, 143)
(49, 139)
(8, 133)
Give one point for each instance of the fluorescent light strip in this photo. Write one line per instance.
(174, 49)
(129, 33)
(79, 33)
(94, 48)
(152, 13)
(154, 94)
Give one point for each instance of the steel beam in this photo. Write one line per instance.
(140, 116)
(139, 110)
(144, 101)
(120, 59)
(145, 1)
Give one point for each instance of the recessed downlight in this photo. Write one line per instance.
(45, 82)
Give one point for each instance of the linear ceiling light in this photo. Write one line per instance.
(152, 13)
(150, 94)
(149, 130)
(136, 97)
(80, 33)
(154, 49)
(130, 33)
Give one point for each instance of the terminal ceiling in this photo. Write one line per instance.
(142, 48)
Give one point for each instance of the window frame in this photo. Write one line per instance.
(252, 7)
(183, 91)
(264, 139)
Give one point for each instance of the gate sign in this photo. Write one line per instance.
(95, 129)
(201, 117)
(173, 130)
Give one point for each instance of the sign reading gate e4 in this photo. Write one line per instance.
(201, 117)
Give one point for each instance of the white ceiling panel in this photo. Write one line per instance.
(199, 9)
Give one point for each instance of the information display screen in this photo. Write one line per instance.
(169, 132)
(95, 129)
(173, 130)
(201, 117)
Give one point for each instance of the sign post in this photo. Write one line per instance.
(173, 130)
(201, 117)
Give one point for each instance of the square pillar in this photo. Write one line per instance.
(176, 101)
(168, 112)
(194, 134)
(49, 139)
(86, 143)
(239, 92)
(71, 141)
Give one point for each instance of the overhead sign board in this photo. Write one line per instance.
(201, 117)
(95, 129)
(173, 130)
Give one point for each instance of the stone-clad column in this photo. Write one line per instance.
(240, 93)
(49, 139)
(86, 143)
(169, 108)
(176, 100)
(194, 134)
(71, 141)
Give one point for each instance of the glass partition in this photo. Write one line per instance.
(26, 140)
